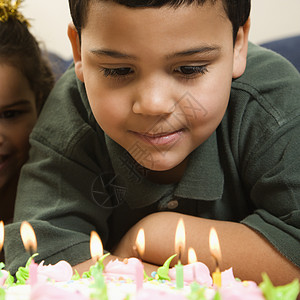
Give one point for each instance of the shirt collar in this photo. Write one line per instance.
(204, 177)
(202, 180)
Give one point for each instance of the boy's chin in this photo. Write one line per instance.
(166, 173)
(157, 167)
(163, 165)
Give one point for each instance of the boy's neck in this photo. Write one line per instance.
(169, 176)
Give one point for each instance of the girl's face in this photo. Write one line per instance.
(18, 115)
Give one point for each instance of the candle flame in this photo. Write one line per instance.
(192, 257)
(180, 238)
(214, 245)
(28, 237)
(140, 242)
(96, 246)
(1, 235)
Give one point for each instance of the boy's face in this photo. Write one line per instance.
(158, 79)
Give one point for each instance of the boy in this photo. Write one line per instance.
(165, 121)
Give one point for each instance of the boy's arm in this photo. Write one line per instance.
(242, 248)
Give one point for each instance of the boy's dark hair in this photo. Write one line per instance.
(19, 48)
(237, 10)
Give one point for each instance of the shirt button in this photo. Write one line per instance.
(172, 204)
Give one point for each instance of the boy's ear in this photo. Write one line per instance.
(240, 50)
(76, 48)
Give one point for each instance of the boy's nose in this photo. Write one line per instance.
(154, 99)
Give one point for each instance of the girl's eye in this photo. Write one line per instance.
(9, 114)
(189, 71)
(117, 72)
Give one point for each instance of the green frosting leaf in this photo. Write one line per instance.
(100, 261)
(76, 276)
(87, 274)
(23, 272)
(147, 277)
(163, 272)
(92, 270)
(22, 275)
(287, 292)
(98, 265)
(9, 280)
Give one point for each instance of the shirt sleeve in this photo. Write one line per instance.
(268, 141)
(274, 176)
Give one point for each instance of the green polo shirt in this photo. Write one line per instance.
(77, 179)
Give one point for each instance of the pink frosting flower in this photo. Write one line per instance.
(62, 271)
(126, 268)
(194, 272)
(236, 290)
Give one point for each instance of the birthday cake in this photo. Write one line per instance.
(119, 280)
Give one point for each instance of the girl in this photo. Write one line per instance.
(25, 82)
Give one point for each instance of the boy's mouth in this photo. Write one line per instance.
(162, 138)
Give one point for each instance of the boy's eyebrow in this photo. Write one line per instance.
(189, 52)
(111, 53)
(200, 50)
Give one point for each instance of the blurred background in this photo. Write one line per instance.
(271, 20)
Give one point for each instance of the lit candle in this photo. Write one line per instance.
(96, 249)
(140, 248)
(179, 248)
(216, 254)
(30, 245)
(28, 238)
(96, 246)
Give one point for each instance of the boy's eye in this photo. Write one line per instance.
(116, 72)
(191, 70)
(9, 114)
(186, 71)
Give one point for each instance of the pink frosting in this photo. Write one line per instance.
(194, 272)
(50, 292)
(3, 277)
(146, 294)
(126, 268)
(236, 290)
(62, 271)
